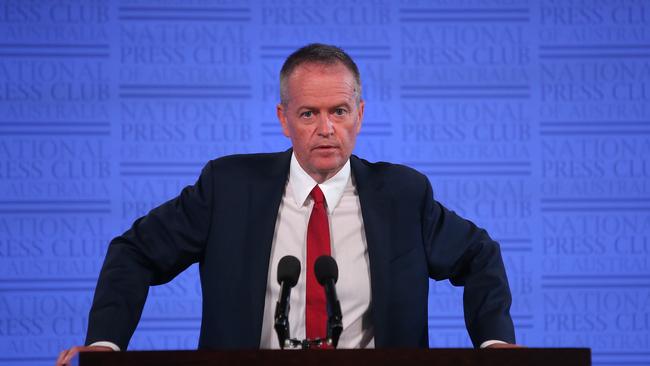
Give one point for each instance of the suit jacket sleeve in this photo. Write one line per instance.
(153, 251)
(463, 253)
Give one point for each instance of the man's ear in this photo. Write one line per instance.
(360, 107)
(280, 110)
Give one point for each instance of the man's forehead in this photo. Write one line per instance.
(312, 82)
(308, 68)
(313, 96)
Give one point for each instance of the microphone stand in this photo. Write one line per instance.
(334, 315)
(288, 272)
(282, 328)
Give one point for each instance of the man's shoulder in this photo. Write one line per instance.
(252, 158)
(247, 164)
(386, 170)
(395, 181)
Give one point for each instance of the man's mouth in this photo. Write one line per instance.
(325, 147)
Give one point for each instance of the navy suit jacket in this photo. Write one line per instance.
(226, 223)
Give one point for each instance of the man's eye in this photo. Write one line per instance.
(307, 114)
(339, 111)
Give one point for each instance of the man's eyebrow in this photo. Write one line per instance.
(337, 105)
(344, 104)
(305, 107)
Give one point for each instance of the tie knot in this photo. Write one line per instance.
(317, 195)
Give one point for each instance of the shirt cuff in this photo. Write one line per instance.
(108, 344)
(491, 342)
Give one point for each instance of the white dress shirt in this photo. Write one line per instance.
(348, 247)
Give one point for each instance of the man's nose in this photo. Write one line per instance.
(325, 126)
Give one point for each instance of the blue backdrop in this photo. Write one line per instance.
(531, 118)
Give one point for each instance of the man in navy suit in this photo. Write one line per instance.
(233, 222)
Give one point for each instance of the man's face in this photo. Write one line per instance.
(321, 117)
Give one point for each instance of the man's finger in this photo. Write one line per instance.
(67, 355)
(59, 360)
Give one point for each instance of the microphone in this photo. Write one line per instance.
(327, 273)
(288, 273)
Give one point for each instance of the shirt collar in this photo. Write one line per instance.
(302, 184)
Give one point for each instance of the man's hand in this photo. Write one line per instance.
(66, 356)
(503, 345)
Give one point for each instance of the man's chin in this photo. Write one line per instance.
(329, 167)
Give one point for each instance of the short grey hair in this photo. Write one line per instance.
(322, 54)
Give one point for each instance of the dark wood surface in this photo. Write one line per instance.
(387, 357)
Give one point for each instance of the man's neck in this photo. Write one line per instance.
(321, 178)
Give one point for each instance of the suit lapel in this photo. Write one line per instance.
(375, 210)
(265, 194)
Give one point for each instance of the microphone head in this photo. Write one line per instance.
(325, 268)
(288, 270)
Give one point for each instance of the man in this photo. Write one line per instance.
(246, 212)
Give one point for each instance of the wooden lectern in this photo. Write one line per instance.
(378, 357)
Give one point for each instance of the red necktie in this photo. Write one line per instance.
(318, 243)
